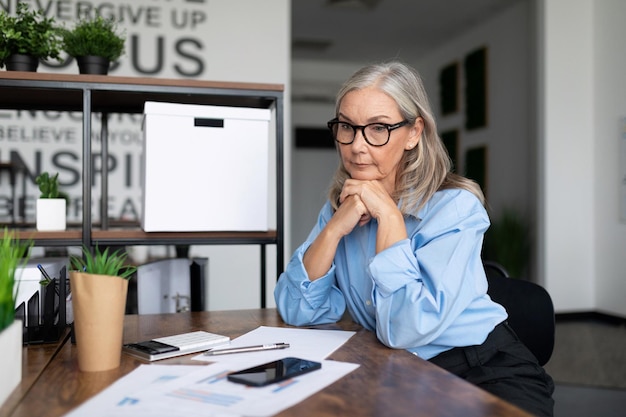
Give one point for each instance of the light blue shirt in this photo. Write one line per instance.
(426, 294)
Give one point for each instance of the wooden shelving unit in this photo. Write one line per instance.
(110, 94)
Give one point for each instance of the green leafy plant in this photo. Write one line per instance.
(29, 32)
(103, 263)
(96, 37)
(507, 242)
(48, 185)
(13, 254)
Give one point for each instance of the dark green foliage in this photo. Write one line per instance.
(28, 32)
(507, 242)
(94, 37)
(48, 186)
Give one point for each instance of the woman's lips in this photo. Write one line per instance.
(360, 165)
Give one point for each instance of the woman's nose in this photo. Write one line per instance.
(359, 139)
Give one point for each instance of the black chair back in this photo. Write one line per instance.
(530, 309)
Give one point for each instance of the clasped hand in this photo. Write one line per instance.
(360, 201)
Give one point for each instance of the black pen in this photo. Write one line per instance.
(45, 274)
(243, 349)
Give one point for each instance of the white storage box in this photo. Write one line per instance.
(205, 168)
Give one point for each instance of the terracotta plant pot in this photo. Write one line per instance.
(93, 65)
(99, 303)
(21, 62)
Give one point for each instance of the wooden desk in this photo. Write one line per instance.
(388, 382)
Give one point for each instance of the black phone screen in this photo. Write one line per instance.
(275, 371)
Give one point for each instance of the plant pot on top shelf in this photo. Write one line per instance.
(22, 62)
(95, 43)
(13, 254)
(51, 204)
(27, 38)
(99, 282)
(93, 64)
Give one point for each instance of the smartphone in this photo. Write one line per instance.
(275, 371)
(150, 349)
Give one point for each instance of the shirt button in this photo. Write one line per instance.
(368, 303)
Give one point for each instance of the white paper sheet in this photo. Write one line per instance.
(312, 344)
(207, 392)
(119, 394)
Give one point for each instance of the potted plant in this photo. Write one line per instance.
(99, 282)
(13, 255)
(95, 43)
(51, 204)
(27, 38)
(507, 242)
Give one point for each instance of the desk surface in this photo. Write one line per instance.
(388, 382)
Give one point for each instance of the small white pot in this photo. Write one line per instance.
(10, 359)
(51, 214)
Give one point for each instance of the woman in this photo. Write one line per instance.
(399, 242)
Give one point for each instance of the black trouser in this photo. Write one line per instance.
(506, 368)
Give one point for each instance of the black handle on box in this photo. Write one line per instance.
(204, 122)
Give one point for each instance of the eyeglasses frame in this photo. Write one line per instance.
(389, 128)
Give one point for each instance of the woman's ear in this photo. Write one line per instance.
(415, 134)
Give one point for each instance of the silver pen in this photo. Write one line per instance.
(242, 349)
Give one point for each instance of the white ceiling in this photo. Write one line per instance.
(371, 30)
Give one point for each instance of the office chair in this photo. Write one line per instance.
(495, 269)
(530, 309)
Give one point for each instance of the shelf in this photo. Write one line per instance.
(139, 237)
(65, 238)
(110, 94)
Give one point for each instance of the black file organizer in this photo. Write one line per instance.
(45, 326)
(197, 281)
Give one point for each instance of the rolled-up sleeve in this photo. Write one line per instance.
(301, 301)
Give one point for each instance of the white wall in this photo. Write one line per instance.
(581, 102)
(566, 169)
(609, 233)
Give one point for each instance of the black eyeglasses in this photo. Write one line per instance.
(375, 134)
